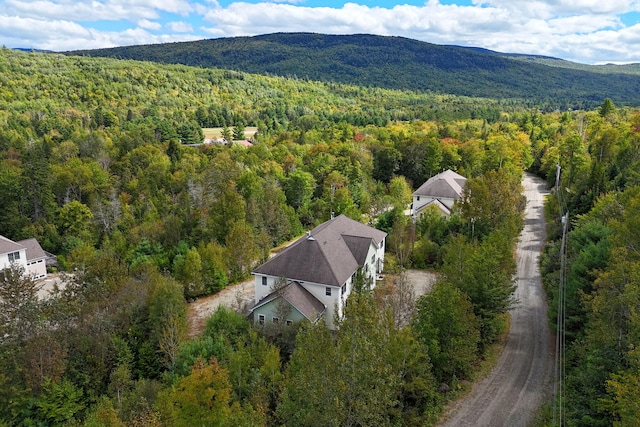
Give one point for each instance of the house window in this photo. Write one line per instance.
(264, 280)
(14, 256)
(327, 291)
(344, 288)
(417, 198)
(275, 320)
(261, 319)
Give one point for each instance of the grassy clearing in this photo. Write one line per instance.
(211, 133)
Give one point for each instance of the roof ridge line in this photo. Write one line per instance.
(330, 264)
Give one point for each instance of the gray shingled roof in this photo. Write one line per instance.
(446, 184)
(328, 254)
(34, 250)
(300, 298)
(443, 208)
(359, 247)
(7, 245)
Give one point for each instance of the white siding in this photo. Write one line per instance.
(375, 259)
(318, 290)
(332, 302)
(262, 290)
(417, 204)
(374, 263)
(5, 263)
(370, 265)
(37, 268)
(380, 256)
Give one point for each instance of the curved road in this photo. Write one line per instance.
(512, 393)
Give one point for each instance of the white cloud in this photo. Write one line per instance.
(433, 22)
(180, 27)
(95, 10)
(29, 32)
(582, 30)
(520, 26)
(80, 11)
(149, 25)
(582, 24)
(289, 1)
(564, 7)
(181, 7)
(66, 35)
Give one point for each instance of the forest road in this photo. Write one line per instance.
(513, 391)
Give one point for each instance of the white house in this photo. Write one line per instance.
(26, 253)
(319, 270)
(441, 190)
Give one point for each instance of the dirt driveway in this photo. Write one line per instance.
(240, 296)
(522, 379)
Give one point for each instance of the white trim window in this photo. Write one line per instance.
(14, 256)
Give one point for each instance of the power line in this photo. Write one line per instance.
(559, 386)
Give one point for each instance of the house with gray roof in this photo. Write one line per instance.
(291, 303)
(318, 271)
(26, 253)
(441, 191)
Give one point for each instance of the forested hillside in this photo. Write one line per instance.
(398, 63)
(93, 163)
(633, 69)
(594, 282)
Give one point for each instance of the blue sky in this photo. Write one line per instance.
(587, 31)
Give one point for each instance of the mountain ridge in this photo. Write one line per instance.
(395, 62)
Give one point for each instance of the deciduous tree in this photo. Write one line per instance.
(446, 325)
(201, 398)
(241, 249)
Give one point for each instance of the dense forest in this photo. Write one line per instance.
(402, 64)
(94, 164)
(591, 274)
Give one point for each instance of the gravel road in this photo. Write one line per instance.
(522, 379)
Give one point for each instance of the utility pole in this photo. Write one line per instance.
(558, 402)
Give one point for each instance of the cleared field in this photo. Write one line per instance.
(211, 133)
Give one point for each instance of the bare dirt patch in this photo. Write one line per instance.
(236, 297)
(421, 280)
(49, 284)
